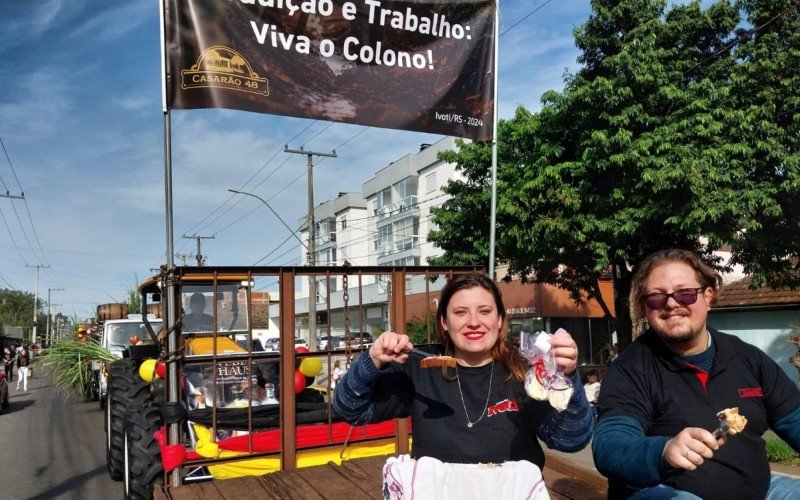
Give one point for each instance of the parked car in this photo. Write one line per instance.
(356, 338)
(298, 342)
(272, 343)
(335, 342)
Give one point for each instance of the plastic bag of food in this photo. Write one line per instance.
(543, 381)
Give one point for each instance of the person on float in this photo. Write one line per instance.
(661, 398)
(479, 410)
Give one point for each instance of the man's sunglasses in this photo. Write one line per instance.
(684, 297)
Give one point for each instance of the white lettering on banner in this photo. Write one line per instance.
(349, 11)
(322, 7)
(277, 39)
(385, 57)
(436, 25)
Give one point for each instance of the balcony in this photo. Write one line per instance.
(387, 211)
(399, 245)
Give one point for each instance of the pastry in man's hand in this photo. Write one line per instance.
(736, 422)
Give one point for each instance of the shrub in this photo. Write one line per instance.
(779, 451)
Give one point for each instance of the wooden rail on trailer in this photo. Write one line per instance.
(362, 479)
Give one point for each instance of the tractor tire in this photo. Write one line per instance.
(143, 470)
(125, 388)
(94, 388)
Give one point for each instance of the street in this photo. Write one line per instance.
(53, 446)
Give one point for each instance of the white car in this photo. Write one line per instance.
(300, 342)
(272, 344)
(335, 342)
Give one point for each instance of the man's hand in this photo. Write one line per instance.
(690, 448)
(390, 346)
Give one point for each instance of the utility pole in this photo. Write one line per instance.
(312, 280)
(13, 197)
(48, 335)
(182, 256)
(36, 300)
(199, 256)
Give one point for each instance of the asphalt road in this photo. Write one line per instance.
(52, 446)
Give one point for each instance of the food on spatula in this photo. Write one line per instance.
(434, 361)
(736, 422)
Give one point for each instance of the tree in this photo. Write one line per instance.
(422, 330)
(633, 156)
(765, 94)
(16, 307)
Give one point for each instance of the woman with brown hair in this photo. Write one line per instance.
(478, 410)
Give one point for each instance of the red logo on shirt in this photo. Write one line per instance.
(750, 392)
(503, 406)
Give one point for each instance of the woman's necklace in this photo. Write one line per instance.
(485, 407)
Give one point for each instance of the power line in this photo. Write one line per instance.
(248, 182)
(14, 207)
(526, 17)
(284, 188)
(11, 235)
(742, 37)
(7, 282)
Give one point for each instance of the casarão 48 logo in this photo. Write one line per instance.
(223, 67)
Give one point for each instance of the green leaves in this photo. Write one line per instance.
(679, 131)
(16, 307)
(71, 363)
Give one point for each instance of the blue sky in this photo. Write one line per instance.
(81, 122)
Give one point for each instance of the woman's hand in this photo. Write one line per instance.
(690, 448)
(565, 351)
(390, 346)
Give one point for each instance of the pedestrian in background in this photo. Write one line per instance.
(613, 355)
(592, 388)
(8, 361)
(23, 362)
(337, 373)
(32, 352)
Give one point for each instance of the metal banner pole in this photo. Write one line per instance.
(170, 312)
(493, 212)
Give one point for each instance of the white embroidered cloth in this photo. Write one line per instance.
(428, 478)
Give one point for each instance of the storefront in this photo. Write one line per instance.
(534, 307)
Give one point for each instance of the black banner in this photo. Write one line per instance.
(420, 65)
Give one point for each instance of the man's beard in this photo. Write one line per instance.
(679, 339)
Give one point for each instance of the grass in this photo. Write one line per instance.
(780, 452)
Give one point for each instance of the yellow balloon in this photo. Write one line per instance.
(310, 367)
(147, 370)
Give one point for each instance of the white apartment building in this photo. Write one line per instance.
(385, 225)
(400, 197)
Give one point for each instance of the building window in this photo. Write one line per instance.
(406, 194)
(343, 221)
(384, 240)
(430, 183)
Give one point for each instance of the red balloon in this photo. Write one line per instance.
(301, 348)
(161, 369)
(299, 382)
